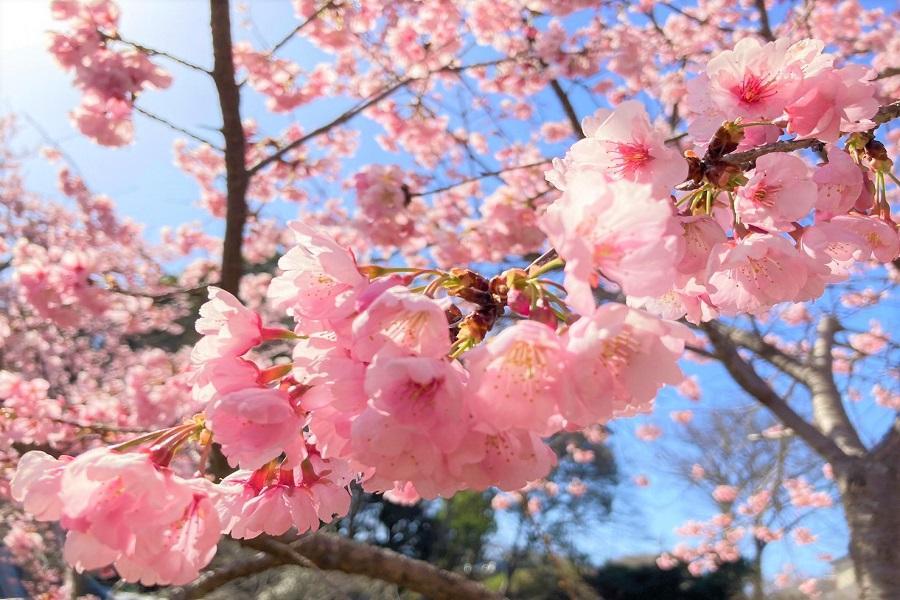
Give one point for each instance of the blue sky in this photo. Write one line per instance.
(149, 188)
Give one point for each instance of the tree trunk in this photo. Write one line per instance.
(236, 177)
(759, 584)
(870, 494)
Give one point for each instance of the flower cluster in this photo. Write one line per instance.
(730, 243)
(110, 79)
(393, 387)
(124, 508)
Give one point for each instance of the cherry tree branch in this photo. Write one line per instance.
(768, 352)
(695, 18)
(828, 409)
(478, 177)
(567, 107)
(173, 126)
(744, 158)
(889, 446)
(360, 107)
(237, 177)
(333, 553)
(330, 552)
(888, 112)
(287, 38)
(212, 580)
(155, 52)
(746, 376)
(885, 114)
(765, 28)
(888, 72)
(343, 118)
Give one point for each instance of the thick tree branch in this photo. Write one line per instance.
(828, 409)
(567, 107)
(236, 176)
(212, 580)
(746, 376)
(888, 448)
(331, 552)
(771, 354)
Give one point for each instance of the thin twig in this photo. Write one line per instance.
(743, 158)
(478, 177)
(98, 427)
(300, 27)
(566, 103)
(155, 52)
(175, 127)
(343, 118)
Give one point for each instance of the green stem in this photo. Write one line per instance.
(553, 265)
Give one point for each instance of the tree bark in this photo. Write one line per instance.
(756, 577)
(331, 552)
(236, 176)
(870, 494)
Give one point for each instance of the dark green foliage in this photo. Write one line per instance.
(616, 581)
(449, 533)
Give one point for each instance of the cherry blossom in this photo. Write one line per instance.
(636, 244)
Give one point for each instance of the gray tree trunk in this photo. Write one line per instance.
(870, 494)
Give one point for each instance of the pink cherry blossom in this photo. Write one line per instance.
(227, 326)
(517, 378)
(401, 322)
(725, 493)
(756, 503)
(272, 500)
(618, 359)
(405, 494)
(37, 482)
(507, 460)
(254, 425)
(754, 81)
(682, 417)
(690, 388)
(779, 193)
(635, 243)
(320, 279)
(114, 503)
(803, 536)
(832, 101)
(666, 561)
(810, 588)
(839, 183)
(621, 143)
(697, 472)
(701, 234)
(872, 341)
(420, 391)
(756, 272)
(648, 433)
